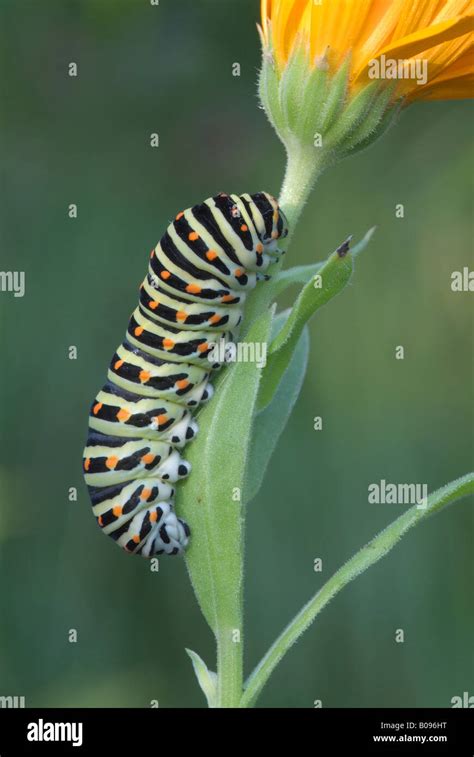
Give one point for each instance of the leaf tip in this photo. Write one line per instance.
(207, 679)
(364, 241)
(343, 248)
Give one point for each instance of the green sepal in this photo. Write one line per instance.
(315, 92)
(357, 112)
(268, 84)
(291, 86)
(336, 97)
(382, 117)
(268, 89)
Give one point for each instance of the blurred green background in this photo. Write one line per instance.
(85, 140)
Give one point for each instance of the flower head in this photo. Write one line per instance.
(334, 71)
(440, 32)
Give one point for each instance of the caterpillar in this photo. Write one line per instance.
(199, 274)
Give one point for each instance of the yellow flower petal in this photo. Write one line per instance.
(424, 39)
(454, 82)
(440, 31)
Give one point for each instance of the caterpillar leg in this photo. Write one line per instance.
(170, 536)
(154, 531)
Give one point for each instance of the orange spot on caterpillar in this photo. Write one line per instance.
(153, 304)
(118, 364)
(259, 249)
(144, 376)
(100, 521)
(192, 236)
(182, 383)
(136, 539)
(154, 516)
(181, 315)
(193, 288)
(111, 462)
(244, 227)
(168, 344)
(239, 272)
(139, 331)
(117, 511)
(87, 463)
(96, 408)
(227, 298)
(152, 253)
(214, 319)
(275, 235)
(180, 215)
(203, 347)
(211, 255)
(123, 415)
(161, 419)
(165, 275)
(148, 459)
(145, 494)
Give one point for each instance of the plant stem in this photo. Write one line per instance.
(301, 174)
(222, 601)
(303, 168)
(367, 556)
(229, 668)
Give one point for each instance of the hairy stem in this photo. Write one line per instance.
(303, 168)
(229, 667)
(301, 174)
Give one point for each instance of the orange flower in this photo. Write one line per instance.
(426, 45)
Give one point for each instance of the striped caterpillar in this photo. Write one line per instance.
(210, 256)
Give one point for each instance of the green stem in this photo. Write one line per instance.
(223, 607)
(367, 556)
(301, 174)
(229, 667)
(304, 166)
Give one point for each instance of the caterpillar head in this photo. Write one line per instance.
(273, 225)
(262, 208)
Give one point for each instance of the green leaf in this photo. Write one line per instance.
(297, 275)
(367, 556)
(207, 678)
(330, 279)
(268, 291)
(269, 423)
(206, 498)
